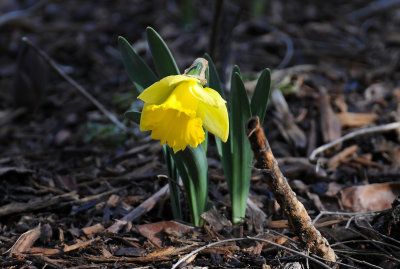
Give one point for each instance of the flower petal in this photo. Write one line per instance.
(207, 95)
(215, 119)
(177, 128)
(159, 91)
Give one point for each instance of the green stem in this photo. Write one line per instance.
(173, 182)
(192, 166)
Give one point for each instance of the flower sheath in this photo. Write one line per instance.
(176, 109)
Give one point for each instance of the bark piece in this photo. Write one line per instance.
(330, 124)
(92, 230)
(17, 207)
(215, 219)
(79, 245)
(349, 119)
(341, 156)
(286, 122)
(257, 217)
(298, 217)
(44, 251)
(388, 222)
(17, 170)
(143, 208)
(130, 252)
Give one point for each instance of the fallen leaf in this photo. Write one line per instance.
(370, 197)
(25, 241)
(215, 219)
(153, 231)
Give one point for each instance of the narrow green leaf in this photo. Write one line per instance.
(133, 116)
(138, 71)
(214, 82)
(242, 155)
(259, 101)
(162, 57)
(235, 69)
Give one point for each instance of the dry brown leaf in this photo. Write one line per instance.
(153, 231)
(370, 197)
(349, 119)
(25, 241)
(215, 219)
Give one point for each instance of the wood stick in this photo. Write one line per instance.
(143, 208)
(76, 85)
(364, 131)
(299, 220)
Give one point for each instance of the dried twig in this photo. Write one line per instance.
(298, 217)
(17, 207)
(145, 207)
(194, 252)
(375, 129)
(76, 85)
(81, 244)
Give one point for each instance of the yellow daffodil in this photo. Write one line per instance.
(177, 107)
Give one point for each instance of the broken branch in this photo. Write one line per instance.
(76, 85)
(297, 215)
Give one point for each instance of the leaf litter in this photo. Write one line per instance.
(61, 192)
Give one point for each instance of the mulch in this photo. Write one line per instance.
(68, 175)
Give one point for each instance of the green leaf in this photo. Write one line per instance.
(259, 101)
(193, 168)
(133, 116)
(138, 71)
(173, 182)
(235, 69)
(162, 57)
(242, 155)
(214, 82)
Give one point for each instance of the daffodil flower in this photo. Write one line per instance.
(176, 109)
